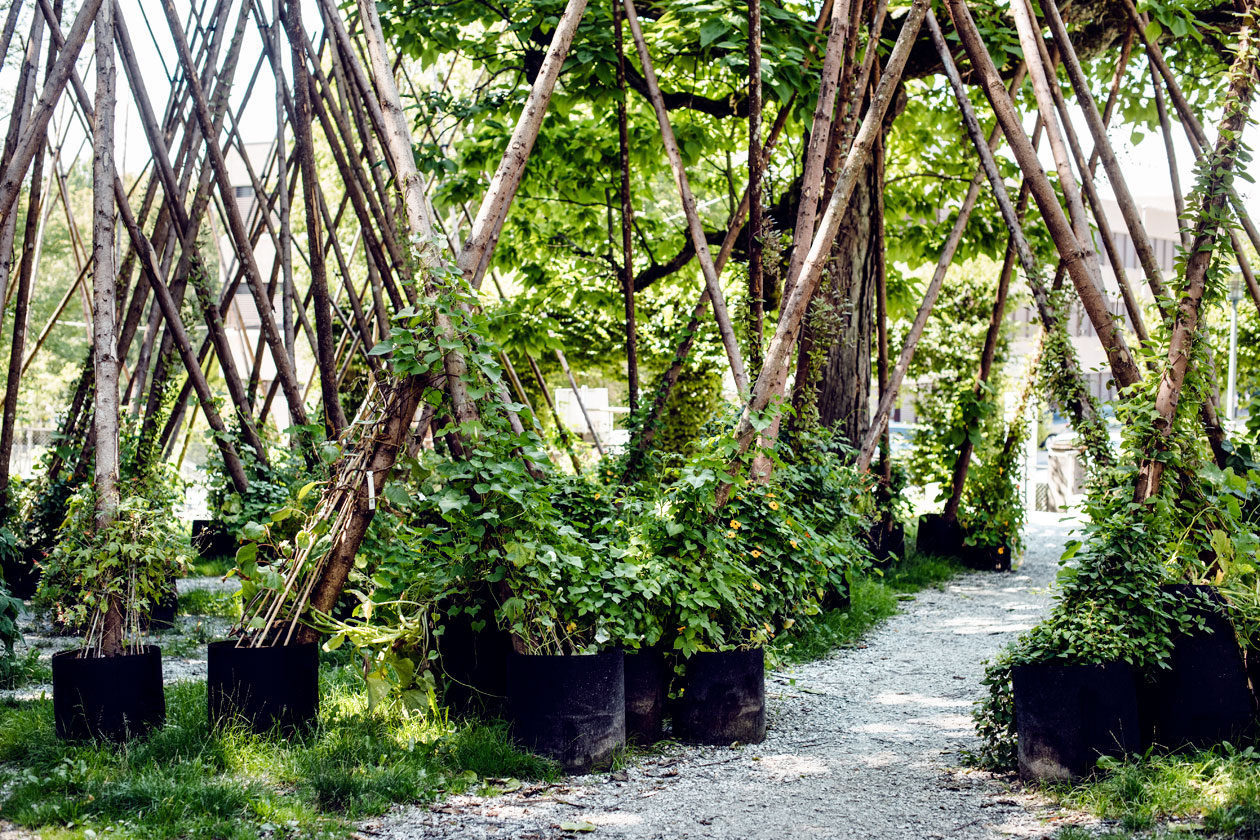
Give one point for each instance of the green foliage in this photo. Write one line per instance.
(9, 635)
(130, 562)
(272, 483)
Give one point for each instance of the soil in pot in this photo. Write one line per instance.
(569, 708)
(473, 654)
(112, 698)
(646, 688)
(1066, 716)
(1204, 697)
(937, 535)
(723, 698)
(887, 545)
(263, 688)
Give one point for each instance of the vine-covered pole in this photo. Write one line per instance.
(21, 106)
(1064, 368)
(1210, 220)
(1080, 269)
(812, 173)
(1154, 277)
(1115, 176)
(771, 381)
(627, 211)
(284, 371)
(378, 450)
(756, 268)
(35, 130)
(694, 226)
(334, 415)
(888, 393)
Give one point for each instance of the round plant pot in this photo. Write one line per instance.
(987, 558)
(939, 536)
(645, 695)
(210, 540)
(1066, 716)
(569, 708)
(887, 545)
(112, 698)
(1203, 697)
(723, 698)
(162, 614)
(473, 662)
(263, 688)
(21, 575)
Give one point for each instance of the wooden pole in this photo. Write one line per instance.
(694, 226)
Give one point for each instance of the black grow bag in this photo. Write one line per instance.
(263, 688)
(473, 662)
(21, 574)
(1203, 697)
(569, 708)
(939, 536)
(723, 698)
(162, 614)
(112, 698)
(987, 558)
(645, 695)
(211, 539)
(1066, 716)
(887, 544)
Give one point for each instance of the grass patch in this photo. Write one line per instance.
(24, 669)
(186, 781)
(873, 599)
(211, 566)
(205, 602)
(1215, 793)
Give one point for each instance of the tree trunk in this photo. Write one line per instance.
(104, 289)
(844, 382)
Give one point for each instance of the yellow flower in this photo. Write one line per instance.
(756, 586)
(774, 506)
(788, 624)
(789, 520)
(1001, 549)
(572, 625)
(793, 542)
(735, 524)
(597, 495)
(756, 554)
(730, 535)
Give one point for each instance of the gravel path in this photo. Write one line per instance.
(865, 744)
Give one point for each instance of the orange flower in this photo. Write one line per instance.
(735, 524)
(774, 506)
(756, 554)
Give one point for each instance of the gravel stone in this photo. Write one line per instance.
(867, 743)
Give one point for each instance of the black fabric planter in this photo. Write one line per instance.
(569, 708)
(263, 688)
(1203, 698)
(939, 536)
(111, 698)
(645, 696)
(473, 662)
(1066, 716)
(211, 540)
(21, 575)
(887, 545)
(162, 614)
(723, 698)
(987, 558)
